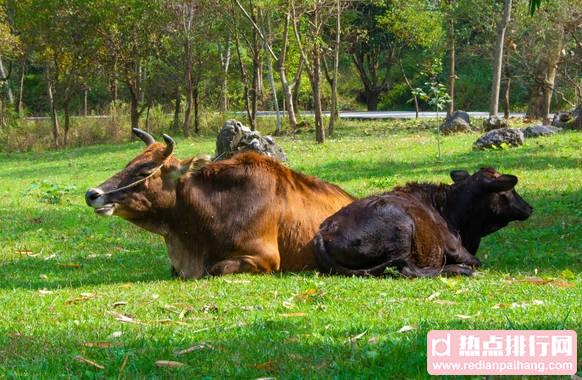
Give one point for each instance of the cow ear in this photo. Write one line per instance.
(459, 175)
(504, 182)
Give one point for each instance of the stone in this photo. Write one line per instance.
(569, 120)
(234, 137)
(497, 138)
(540, 130)
(458, 121)
(494, 122)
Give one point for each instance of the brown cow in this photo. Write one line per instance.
(245, 214)
(421, 229)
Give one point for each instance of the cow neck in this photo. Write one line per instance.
(459, 219)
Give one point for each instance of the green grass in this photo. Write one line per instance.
(62, 269)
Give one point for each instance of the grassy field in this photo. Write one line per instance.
(88, 297)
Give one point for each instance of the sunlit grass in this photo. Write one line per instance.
(63, 269)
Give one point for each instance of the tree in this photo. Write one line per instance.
(498, 59)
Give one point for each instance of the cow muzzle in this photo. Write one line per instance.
(96, 198)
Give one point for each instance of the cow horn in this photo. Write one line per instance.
(170, 143)
(144, 136)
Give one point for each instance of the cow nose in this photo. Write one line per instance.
(92, 195)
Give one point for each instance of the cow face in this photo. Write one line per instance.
(144, 187)
(488, 199)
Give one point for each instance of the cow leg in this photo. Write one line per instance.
(174, 272)
(461, 256)
(264, 259)
(457, 270)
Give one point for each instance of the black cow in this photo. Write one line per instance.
(421, 229)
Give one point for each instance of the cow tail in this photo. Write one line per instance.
(329, 265)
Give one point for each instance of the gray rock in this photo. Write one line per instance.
(569, 120)
(494, 122)
(540, 130)
(458, 121)
(234, 137)
(497, 137)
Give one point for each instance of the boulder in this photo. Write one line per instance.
(569, 120)
(497, 138)
(234, 137)
(458, 121)
(494, 122)
(540, 131)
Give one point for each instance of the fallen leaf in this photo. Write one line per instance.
(355, 338)
(288, 304)
(444, 302)
(123, 318)
(81, 359)
(101, 344)
(407, 328)
(563, 284)
(169, 364)
(237, 281)
(518, 304)
(43, 277)
(115, 334)
(298, 314)
(71, 265)
(196, 347)
(306, 294)
(269, 366)
(463, 316)
(44, 292)
(210, 308)
(433, 296)
(119, 303)
(26, 252)
(84, 297)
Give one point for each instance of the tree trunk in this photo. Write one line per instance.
(6, 82)
(134, 110)
(274, 89)
(21, 88)
(316, 87)
(288, 101)
(256, 79)
(372, 98)
(177, 110)
(506, 98)
(53, 111)
(225, 63)
(452, 70)
(296, 90)
(196, 100)
(498, 59)
(67, 117)
(86, 104)
(334, 106)
(188, 65)
(545, 76)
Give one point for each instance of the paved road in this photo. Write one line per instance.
(391, 114)
(343, 115)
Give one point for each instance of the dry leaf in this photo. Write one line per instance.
(298, 314)
(210, 308)
(196, 347)
(237, 281)
(43, 277)
(84, 297)
(444, 302)
(354, 339)
(462, 316)
(123, 318)
(518, 304)
(71, 265)
(306, 294)
(269, 366)
(407, 328)
(81, 359)
(169, 364)
(115, 334)
(288, 304)
(433, 296)
(119, 303)
(101, 344)
(44, 292)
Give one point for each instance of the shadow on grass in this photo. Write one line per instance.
(269, 347)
